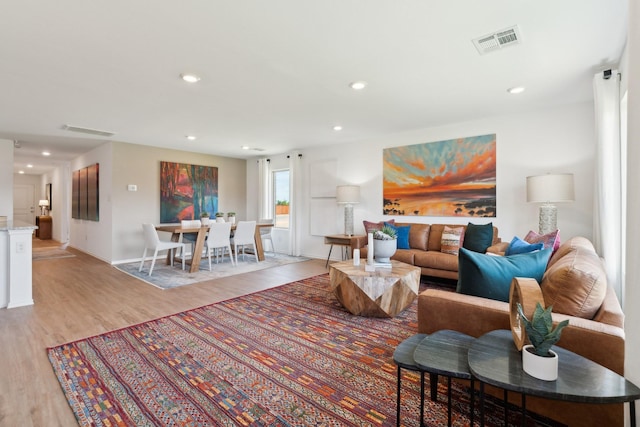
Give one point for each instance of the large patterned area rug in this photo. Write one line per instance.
(288, 356)
(167, 277)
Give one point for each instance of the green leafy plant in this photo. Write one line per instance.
(540, 329)
(219, 214)
(204, 215)
(231, 214)
(385, 233)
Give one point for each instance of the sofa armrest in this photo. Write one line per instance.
(499, 248)
(358, 242)
(476, 316)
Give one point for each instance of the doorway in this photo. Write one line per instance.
(24, 203)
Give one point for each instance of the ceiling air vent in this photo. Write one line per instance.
(87, 130)
(497, 40)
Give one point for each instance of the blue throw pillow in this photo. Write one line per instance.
(490, 276)
(519, 246)
(402, 232)
(478, 237)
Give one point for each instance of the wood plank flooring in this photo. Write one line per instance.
(82, 296)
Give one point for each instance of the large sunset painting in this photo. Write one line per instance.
(456, 177)
(187, 191)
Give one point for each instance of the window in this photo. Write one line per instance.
(281, 198)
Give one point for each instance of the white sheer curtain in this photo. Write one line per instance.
(295, 158)
(608, 198)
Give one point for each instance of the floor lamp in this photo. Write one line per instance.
(548, 189)
(348, 195)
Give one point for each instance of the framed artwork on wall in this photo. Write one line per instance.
(187, 191)
(455, 177)
(85, 194)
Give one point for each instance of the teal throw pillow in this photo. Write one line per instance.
(402, 232)
(519, 246)
(490, 276)
(478, 237)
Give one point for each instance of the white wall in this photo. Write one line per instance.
(140, 165)
(632, 283)
(6, 178)
(94, 237)
(558, 140)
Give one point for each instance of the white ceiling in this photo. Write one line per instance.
(275, 74)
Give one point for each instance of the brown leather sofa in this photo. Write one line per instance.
(574, 282)
(425, 244)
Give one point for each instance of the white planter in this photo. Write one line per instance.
(219, 219)
(205, 221)
(231, 219)
(383, 250)
(544, 368)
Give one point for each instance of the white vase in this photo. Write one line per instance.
(383, 250)
(544, 368)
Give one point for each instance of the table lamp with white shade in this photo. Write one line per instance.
(548, 189)
(348, 195)
(44, 204)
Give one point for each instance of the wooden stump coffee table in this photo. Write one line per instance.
(384, 292)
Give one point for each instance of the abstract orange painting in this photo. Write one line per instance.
(455, 177)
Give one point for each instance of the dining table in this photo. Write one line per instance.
(178, 230)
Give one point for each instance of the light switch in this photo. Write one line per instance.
(132, 187)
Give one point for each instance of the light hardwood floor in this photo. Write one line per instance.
(83, 296)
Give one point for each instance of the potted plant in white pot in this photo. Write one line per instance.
(231, 217)
(538, 360)
(219, 216)
(385, 244)
(204, 218)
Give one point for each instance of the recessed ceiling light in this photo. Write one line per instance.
(46, 153)
(515, 90)
(191, 137)
(358, 85)
(21, 172)
(190, 78)
(244, 147)
(29, 165)
(337, 128)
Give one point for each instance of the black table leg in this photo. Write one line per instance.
(481, 404)
(328, 256)
(449, 401)
(505, 399)
(421, 398)
(472, 402)
(433, 380)
(524, 410)
(632, 413)
(398, 396)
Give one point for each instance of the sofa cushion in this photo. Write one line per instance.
(519, 246)
(435, 260)
(370, 227)
(576, 284)
(478, 237)
(418, 235)
(490, 276)
(402, 234)
(549, 240)
(452, 239)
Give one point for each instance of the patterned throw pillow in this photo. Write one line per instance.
(549, 240)
(370, 227)
(452, 239)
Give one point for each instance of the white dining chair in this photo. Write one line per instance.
(219, 240)
(265, 235)
(243, 236)
(152, 242)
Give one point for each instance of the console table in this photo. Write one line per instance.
(494, 359)
(43, 222)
